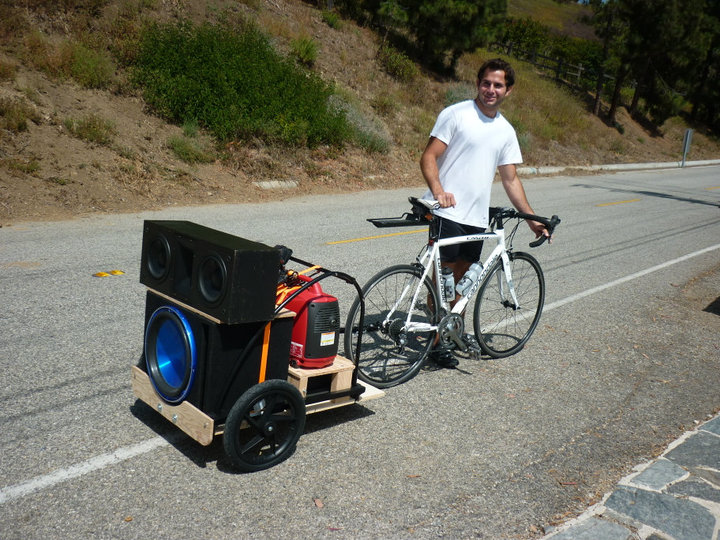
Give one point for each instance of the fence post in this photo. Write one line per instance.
(558, 72)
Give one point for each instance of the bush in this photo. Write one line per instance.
(331, 18)
(189, 150)
(235, 85)
(396, 64)
(90, 68)
(92, 128)
(305, 50)
(15, 113)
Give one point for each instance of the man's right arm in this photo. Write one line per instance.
(429, 167)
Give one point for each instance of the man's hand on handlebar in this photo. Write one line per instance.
(540, 230)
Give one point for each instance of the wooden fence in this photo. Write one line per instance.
(575, 75)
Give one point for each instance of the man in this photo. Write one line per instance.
(469, 142)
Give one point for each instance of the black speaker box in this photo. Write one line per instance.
(227, 277)
(228, 361)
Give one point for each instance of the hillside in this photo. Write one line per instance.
(49, 170)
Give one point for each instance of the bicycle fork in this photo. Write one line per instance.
(510, 285)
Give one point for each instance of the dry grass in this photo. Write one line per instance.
(65, 175)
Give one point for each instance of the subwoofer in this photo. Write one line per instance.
(229, 278)
(189, 357)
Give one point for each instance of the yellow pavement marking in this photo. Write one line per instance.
(617, 202)
(110, 273)
(375, 237)
(713, 187)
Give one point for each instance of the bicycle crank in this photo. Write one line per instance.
(451, 330)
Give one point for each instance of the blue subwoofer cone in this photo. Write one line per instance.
(170, 353)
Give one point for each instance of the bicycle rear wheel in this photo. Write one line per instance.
(501, 327)
(389, 355)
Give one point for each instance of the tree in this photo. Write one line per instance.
(705, 90)
(654, 43)
(453, 26)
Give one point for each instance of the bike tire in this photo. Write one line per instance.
(383, 361)
(500, 328)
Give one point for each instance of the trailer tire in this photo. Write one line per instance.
(264, 425)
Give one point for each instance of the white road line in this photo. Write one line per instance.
(121, 454)
(93, 464)
(630, 277)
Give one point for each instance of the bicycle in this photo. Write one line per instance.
(406, 307)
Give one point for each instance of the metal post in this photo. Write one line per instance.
(687, 140)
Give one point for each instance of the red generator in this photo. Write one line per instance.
(316, 330)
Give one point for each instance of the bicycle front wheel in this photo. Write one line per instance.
(389, 355)
(502, 327)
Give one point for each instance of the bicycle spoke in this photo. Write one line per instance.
(502, 327)
(389, 354)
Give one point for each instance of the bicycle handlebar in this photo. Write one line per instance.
(498, 215)
(423, 211)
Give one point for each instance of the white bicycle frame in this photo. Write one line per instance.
(430, 259)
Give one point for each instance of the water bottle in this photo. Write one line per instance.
(469, 279)
(448, 283)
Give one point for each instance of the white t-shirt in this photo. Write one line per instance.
(476, 146)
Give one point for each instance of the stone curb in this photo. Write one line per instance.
(526, 171)
(676, 496)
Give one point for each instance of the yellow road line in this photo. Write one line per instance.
(713, 187)
(375, 237)
(617, 202)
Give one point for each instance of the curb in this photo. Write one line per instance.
(677, 495)
(526, 171)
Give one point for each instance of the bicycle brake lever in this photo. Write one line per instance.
(554, 222)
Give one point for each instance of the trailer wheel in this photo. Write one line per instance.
(264, 425)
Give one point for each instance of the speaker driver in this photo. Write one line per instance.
(212, 279)
(158, 258)
(170, 353)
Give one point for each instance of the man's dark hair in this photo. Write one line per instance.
(498, 64)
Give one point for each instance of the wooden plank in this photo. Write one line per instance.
(341, 370)
(370, 393)
(196, 311)
(185, 415)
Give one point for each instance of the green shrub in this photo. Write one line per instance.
(331, 18)
(305, 50)
(92, 128)
(397, 64)
(16, 165)
(190, 127)
(189, 150)
(235, 84)
(365, 132)
(15, 113)
(90, 68)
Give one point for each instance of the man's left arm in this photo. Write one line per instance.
(516, 193)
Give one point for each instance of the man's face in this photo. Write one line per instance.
(492, 90)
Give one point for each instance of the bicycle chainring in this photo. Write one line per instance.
(451, 330)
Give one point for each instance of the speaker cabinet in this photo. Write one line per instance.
(189, 357)
(229, 278)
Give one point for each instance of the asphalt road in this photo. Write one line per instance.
(625, 358)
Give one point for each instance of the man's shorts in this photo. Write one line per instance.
(468, 251)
